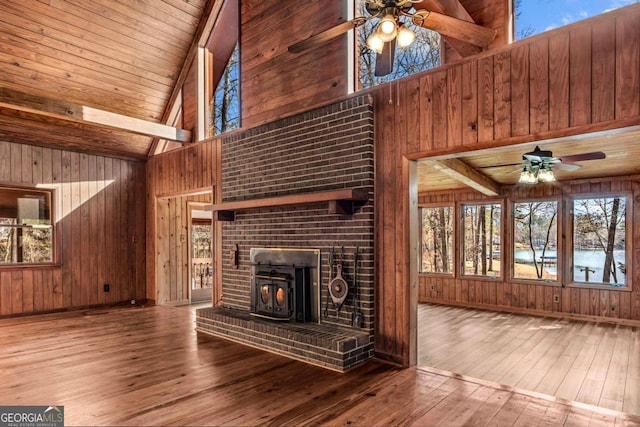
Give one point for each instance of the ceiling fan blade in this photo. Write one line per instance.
(326, 35)
(455, 28)
(517, 169)
(500, 165)
(384, 60)
(596, 155)
(569, 167)
(532, 158)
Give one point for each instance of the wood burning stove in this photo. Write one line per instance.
(282, 293)
(284, 285)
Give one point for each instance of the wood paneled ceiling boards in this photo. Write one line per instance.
(95, 76)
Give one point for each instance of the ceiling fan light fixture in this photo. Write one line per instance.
(387, 28)
(527, 176)
(405, 36)
(545, 174)
(375, 43)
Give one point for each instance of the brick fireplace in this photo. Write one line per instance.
(322, 151)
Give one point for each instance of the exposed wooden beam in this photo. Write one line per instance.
(459, 170)
(39, 105)
(455, 9)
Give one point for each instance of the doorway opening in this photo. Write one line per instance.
(184, 262)
(200, 254)
(503, 295)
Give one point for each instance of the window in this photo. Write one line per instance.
(535, 240)
(422, 54)
(225, 104)
(533, 18)
(599, 229)
(26, 232)
(481, 239)
(437, 240)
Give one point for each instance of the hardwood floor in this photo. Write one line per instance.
(147, 366)
(593, 363)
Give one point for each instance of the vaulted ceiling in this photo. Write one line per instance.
(63, 63)
(101, 75)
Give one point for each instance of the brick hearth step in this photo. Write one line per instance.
(326, 345)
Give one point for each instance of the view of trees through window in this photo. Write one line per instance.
(202, 273)
(535, 242)
(599, 226)
(422, 54)
(437, 240)
(481, 239)
(26, 234)
(225, 108)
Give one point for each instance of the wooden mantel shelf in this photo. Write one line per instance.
(340, 202)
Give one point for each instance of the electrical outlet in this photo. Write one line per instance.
(133, 302)
(106, 287)
(556, 298)
(433, 287)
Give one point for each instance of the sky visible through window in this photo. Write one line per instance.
(537, 16)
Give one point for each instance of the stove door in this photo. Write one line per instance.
(264, 298)
(274, 300)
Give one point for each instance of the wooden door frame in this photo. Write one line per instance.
(412, 235)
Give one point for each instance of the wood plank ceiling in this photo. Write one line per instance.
(124, 57)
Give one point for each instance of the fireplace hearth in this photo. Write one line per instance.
(284, 284)
(284, 313)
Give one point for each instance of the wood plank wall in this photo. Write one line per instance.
(276, 83)
(538, 297)
(174, 175)
(100, 230)
(572, 80)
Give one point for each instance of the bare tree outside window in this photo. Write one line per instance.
(599, 253)
(481, 239)
(535, 240)
(522, 32)
(422, 54)
(225, 108)
(437, 240)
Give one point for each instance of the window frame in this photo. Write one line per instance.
(454, 231)
(568, 253)
(560, 247)
(55, 251)
(211, 87)
(460, 247)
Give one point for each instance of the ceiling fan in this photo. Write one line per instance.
(538, 165)
(391, 30)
